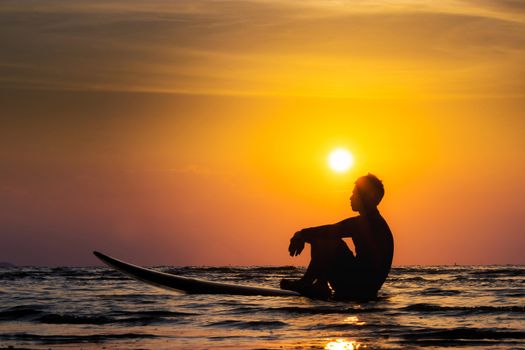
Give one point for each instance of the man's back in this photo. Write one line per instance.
(374, 247)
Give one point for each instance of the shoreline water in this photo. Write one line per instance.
(419, 307)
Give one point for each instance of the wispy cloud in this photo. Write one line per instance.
(265, 47)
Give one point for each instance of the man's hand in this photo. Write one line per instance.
(296, 244)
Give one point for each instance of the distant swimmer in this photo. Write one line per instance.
(333, 266)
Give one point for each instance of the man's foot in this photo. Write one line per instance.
(293, 284)
(317, 290)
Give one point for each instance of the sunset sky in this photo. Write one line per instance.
(197, 132)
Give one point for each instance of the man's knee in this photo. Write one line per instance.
(330, 246)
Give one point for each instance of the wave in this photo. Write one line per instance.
(65, 339)
(134, 296)
(73, 272)
(122, 317)
(465, 333)
(277, 268)
(15, 275)
(74, 319)
(324, 310)
(69, 274)
(499, 272)
(470, 343)
(407, 279)
(464, 310)
(36, 313)
(427, 270)
(440, 292)
(156, 313)
(333, 327)
(21, 312)
(255, 325)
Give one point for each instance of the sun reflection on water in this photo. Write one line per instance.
(342, 344)
(354, 320)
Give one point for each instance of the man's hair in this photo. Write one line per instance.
(370, 188)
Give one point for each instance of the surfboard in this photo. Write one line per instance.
(186, 284)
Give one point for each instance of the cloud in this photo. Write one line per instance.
(264, 47)
(505, 6)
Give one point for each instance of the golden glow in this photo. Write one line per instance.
(340, 160)
(354, 320)
(362, 59)
(341, 344)
(254, 110)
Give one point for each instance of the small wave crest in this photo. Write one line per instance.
(129, 317)
(464, 310)
(21, 312)
(440, 292)
(466, 333)
(499, 272)
(256, 325)
(38, 314)
(66, 339)
(73, 319)
(13, 275)
(324, 310)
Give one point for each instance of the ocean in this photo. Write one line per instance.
(419, 307)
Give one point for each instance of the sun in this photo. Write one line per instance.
(340, 160)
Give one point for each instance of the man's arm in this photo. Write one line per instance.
(342, 229)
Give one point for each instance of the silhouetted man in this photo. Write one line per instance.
(333, 263)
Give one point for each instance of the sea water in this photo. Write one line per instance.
(430, 307)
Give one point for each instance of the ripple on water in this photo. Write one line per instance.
(253, 325)
(474, 307)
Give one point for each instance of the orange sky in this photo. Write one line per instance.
(196, 132)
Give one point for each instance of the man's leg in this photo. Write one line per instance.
(327, 256)
(327, 259)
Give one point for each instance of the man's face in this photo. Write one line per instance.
(355, 200)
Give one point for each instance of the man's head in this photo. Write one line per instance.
(367, 194)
